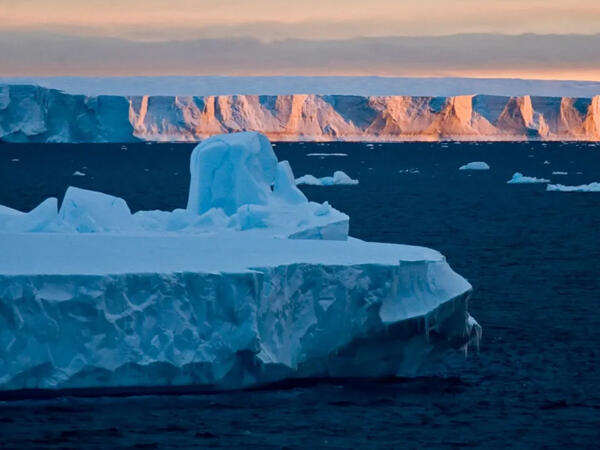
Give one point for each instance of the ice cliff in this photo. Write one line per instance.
(249, 284)
(31, 113)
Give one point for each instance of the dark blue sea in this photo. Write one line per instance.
(532, 256)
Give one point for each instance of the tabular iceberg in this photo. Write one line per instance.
(30, 113)
(250, 284)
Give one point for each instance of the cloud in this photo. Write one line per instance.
(268, 19)
(546, 56)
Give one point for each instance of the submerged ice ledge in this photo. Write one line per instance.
(249, 284)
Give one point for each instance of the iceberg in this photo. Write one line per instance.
(592, 187)
(91, 212)
(519, 178)
(244, 287)
(189, 110)
(339, 178)
(476, 165)
(236, 184)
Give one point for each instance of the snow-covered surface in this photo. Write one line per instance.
(475, 165)
(339, 178)
(331, 85)
(251, 284)
(117, 253)
(592, 187)
(519, 178)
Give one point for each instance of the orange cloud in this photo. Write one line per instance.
(343, 18)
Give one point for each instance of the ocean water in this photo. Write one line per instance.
(532, 256)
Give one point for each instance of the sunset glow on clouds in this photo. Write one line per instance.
(30, 27)
(343, 17)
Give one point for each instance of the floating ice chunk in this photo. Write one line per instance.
(560, 173)
(339, 178)
(476, 165)
(229, 171)
(309, 179)
(15, 160)
(92, 212)
(592, 187)
(414, 170)
(326, 154)
(77, 173)
(546, 162)
(519, 178)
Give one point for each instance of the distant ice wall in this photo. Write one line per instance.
(35, 114)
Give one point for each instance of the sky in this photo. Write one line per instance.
(131, 36)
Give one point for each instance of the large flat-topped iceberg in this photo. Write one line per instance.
(111, 310)
(250, 284)
(31, 113)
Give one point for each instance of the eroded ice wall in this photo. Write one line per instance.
(36, 114)
(229, 330)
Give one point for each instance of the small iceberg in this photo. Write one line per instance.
(414, 170)
(326, 154)
(338, 178)
(592, 187)
(519, 178)
(77, 173)
(560, 173)
(475, 165)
